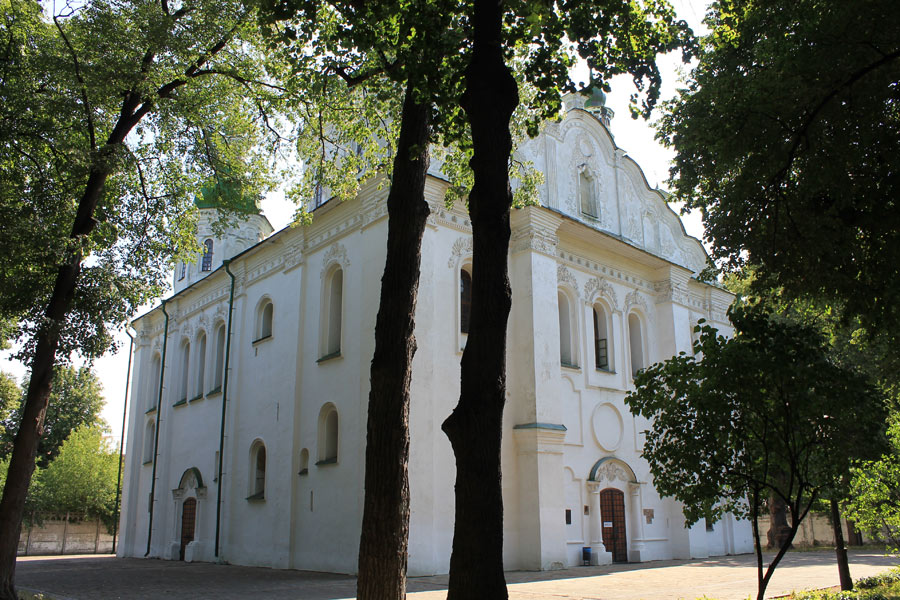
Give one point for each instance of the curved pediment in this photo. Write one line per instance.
(588, 178)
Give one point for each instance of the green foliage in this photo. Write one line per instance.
(765, 411)
(886, 578)
(874, 503)
(81, 480)
(10, 396)
(162, 100)
(786, 139)
(76, 400)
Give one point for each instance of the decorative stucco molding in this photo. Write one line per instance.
(461, 247)
(336, 254)
(597, 286)
(564, 275)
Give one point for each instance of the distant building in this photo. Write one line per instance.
(604, 283)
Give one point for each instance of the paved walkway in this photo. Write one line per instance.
(725, 578)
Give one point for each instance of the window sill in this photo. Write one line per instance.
(570, 367)
(257, 497)
(147, 462)
(182, 402)
(303, 472)
(605, 371)
(195, 398)
(214, 391)
(326, 462)
(150, 410)
(264, 338)
(328, 357)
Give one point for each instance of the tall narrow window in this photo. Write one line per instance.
(153, 388)
(304, 462)
(586, 194)
(601, 339)
(182, 270)
(258, 470)
(206, 260)
(328, 435)
(635, 339)
(201, 365)
(318, 196)
(185, 370)
(465, 300)
(335, 304)
(220, 358)
(149, 440)
(565, 331)
(264, 320)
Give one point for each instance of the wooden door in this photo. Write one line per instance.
(612, 516)
(188, 519)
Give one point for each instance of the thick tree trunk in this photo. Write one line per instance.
(475, 427)
(21, 464)
(839, 548)
(385, 526)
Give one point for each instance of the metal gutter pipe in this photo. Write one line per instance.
(122, 439)
(162, 373)
(226, 264)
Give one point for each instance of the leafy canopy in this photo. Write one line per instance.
(76, 400)
(874, 499)
(786, 139)
(161, 98)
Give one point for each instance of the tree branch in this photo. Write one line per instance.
(84, 97)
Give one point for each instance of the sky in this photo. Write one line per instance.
(636, 137)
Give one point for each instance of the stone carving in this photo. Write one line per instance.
(533, 239)
(336, 254)
(635, 298)
(564, 275)
(601, 287)
(461, 247)
(667, 291)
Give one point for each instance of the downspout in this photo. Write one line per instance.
(226, 264)
(122, 439)
(162, 373)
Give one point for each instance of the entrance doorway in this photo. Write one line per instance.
(188, 519)
(612, 515)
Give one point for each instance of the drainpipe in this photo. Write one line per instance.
(122, 438)
(226, 264)
(162, 373)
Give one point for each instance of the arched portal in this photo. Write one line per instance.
(612, 516)
(188, 520)
(616, 529)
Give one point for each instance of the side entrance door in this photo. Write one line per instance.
(188, 518)
(612, 515)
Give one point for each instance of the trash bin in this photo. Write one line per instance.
(586, 556)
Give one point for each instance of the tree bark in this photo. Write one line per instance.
(778, 525)
(839, 548)
(21, 463)
(385, 526)
(475, 426)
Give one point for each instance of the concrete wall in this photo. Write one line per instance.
(61, 536)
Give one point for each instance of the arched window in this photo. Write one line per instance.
(258, 471)
(602, 340)
(334, 307)
(264, 328)
(328, 435)
(465, 299)
(153, 387)
(185, 370)
(586, 194)
(304, 462)
(636, 343)
(566, 354)
(149, 440)
(220, 359)
(201, 365)
(206, 260)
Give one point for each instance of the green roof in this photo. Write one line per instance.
(227, 193)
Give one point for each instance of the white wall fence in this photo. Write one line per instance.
(815, 530)
(65, 536)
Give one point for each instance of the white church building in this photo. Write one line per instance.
(263, 355)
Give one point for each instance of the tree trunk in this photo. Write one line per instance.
(385, 526)
(839, 548)
(475, 426)
(21, 463)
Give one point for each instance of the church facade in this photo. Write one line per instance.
(247, 424)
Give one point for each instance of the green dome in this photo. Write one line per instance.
(596, 99)
(227, 193)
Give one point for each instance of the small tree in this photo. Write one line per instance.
(81, 480)
(874, 503)
(75, 400)
(765, 412)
